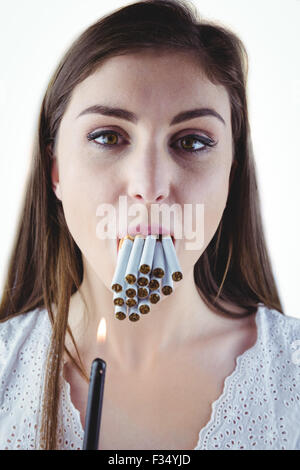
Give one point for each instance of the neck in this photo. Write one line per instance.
(176, 321)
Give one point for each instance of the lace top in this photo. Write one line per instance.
(259, 407)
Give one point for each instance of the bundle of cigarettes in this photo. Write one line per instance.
(146, 266)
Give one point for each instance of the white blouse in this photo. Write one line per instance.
(259, 407)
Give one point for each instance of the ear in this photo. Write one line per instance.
(54, 173)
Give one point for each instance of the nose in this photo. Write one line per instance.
(149, 178)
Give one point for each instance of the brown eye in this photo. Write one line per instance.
(188, 141)
(104, 138)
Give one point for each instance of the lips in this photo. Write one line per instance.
(148, 229)
(166, 233)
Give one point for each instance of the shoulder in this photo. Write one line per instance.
(277, 373)
(281, 330)
(21, 338)
(26, 321)
(24, 341)
(279, 339)
(15, 333)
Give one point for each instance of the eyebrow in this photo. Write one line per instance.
(132, 117)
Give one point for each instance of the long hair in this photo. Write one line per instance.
(45, 266)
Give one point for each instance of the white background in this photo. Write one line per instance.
(34, 35)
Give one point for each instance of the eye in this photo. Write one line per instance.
(110, 136)
(202, 143)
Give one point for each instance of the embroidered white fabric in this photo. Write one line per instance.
(259, 407)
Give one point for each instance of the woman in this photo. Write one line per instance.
(211, 367)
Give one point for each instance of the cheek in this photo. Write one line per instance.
(211, 190)
(82, 193)
(214, 204)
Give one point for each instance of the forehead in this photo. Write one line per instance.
(158, 82)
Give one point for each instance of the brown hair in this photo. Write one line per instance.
(45, 266)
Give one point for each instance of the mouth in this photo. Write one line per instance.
(159, 237)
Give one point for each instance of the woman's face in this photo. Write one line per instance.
(147, 160)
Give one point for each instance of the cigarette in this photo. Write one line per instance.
(158, 268)
(144, 306)
(131, 290)
(120, 312)
(148, 253)
(134, 314)
(167, 282)
(154, 282)
(146, 269)
(154, 297)
(131, 272)
(122, 261)
(143, 280)
(171, 258)
(119, 298)
(143, 292)
(131, 301)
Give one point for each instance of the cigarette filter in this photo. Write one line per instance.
(143, 292)
(148, 253)
(131, 301)
(154, 282)
(131, 272)
(171, 258)
(119, 298)
(144, 306)
(122, 262)
(167, 281)
(158, 268)
(131, 290)
(143, 279)
(154, 297)
(134, 314)
(120, 312)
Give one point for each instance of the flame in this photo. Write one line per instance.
(101, 332)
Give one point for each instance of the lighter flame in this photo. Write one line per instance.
(101, 333)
